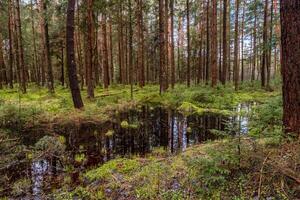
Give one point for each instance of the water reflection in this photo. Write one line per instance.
(39, 169)
(137, 132)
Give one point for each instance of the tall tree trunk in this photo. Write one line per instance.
(46, 44)
(270, 47)
(290, 41)
(162, 46)
(10, 37)
(166, 25)
(254, 43)
(188, 78)
(200, 59)
(225, 45)
(62, 64)
(121, 44)
(79, 46)
(172, 45)
(130, 50)
(89, 55)
(242, 44)
(207, 44)
(20, 48)
(214, 44)
(265, 46)
(34, 63)
(111, 56)
(236, 46)
(141, 67)
(72, 72)
(105, 53)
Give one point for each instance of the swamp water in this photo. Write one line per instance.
(136, 132)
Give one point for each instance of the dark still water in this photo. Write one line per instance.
(136, 132)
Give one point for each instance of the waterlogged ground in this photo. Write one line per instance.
(49, 152)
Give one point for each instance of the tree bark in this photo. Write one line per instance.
(188, 43)
(290, 41)
(236, 46)
(254, 43)
(89, 55)
(10, 36)
(162, 46)
(214, 44)
(207, 44)
(172, 45)
(35, 64)
(71, 63)
(20, 49)
(2, 64)
(265, 46)
(225, 45)
(46, 44)
(141, 67)
(105, 53)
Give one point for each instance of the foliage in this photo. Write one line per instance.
(266, 119)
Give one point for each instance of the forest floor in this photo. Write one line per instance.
(263, 164)
(38, 104)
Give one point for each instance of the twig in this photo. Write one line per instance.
(261, 176)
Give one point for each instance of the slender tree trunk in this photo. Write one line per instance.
(111, 56)
(236, 46)
(270, 47)
(214, 44)
(122, 71)
(21, 49)
(89, 55)
(62, 64)
(265, 45)
(225, 45)
(242, 44)
(105, 54)
(200, 60)
(162, 46)
(290, 41)
(79, 46)
(207, 44)
(130, 52)
(188, 78)
(141, 67)
(254, 43)
(34, 63)
(10, 36)
(71, 63)
(2, 64)
(172, 45)
(46, 44)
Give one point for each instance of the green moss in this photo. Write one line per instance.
(121, 165)
(38, 104)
